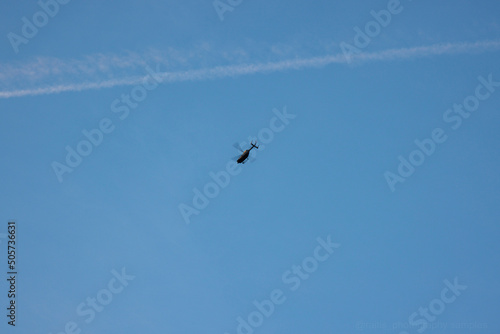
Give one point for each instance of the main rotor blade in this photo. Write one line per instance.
(237, 146)
(252, 156)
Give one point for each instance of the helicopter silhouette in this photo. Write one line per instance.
(244, 154)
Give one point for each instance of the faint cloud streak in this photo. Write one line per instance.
(108, 65)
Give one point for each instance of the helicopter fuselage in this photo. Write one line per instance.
(243, 157)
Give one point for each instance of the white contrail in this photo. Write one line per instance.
(269, 67)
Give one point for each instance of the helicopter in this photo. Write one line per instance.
(244, 154)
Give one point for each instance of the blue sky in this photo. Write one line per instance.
(312, 227)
